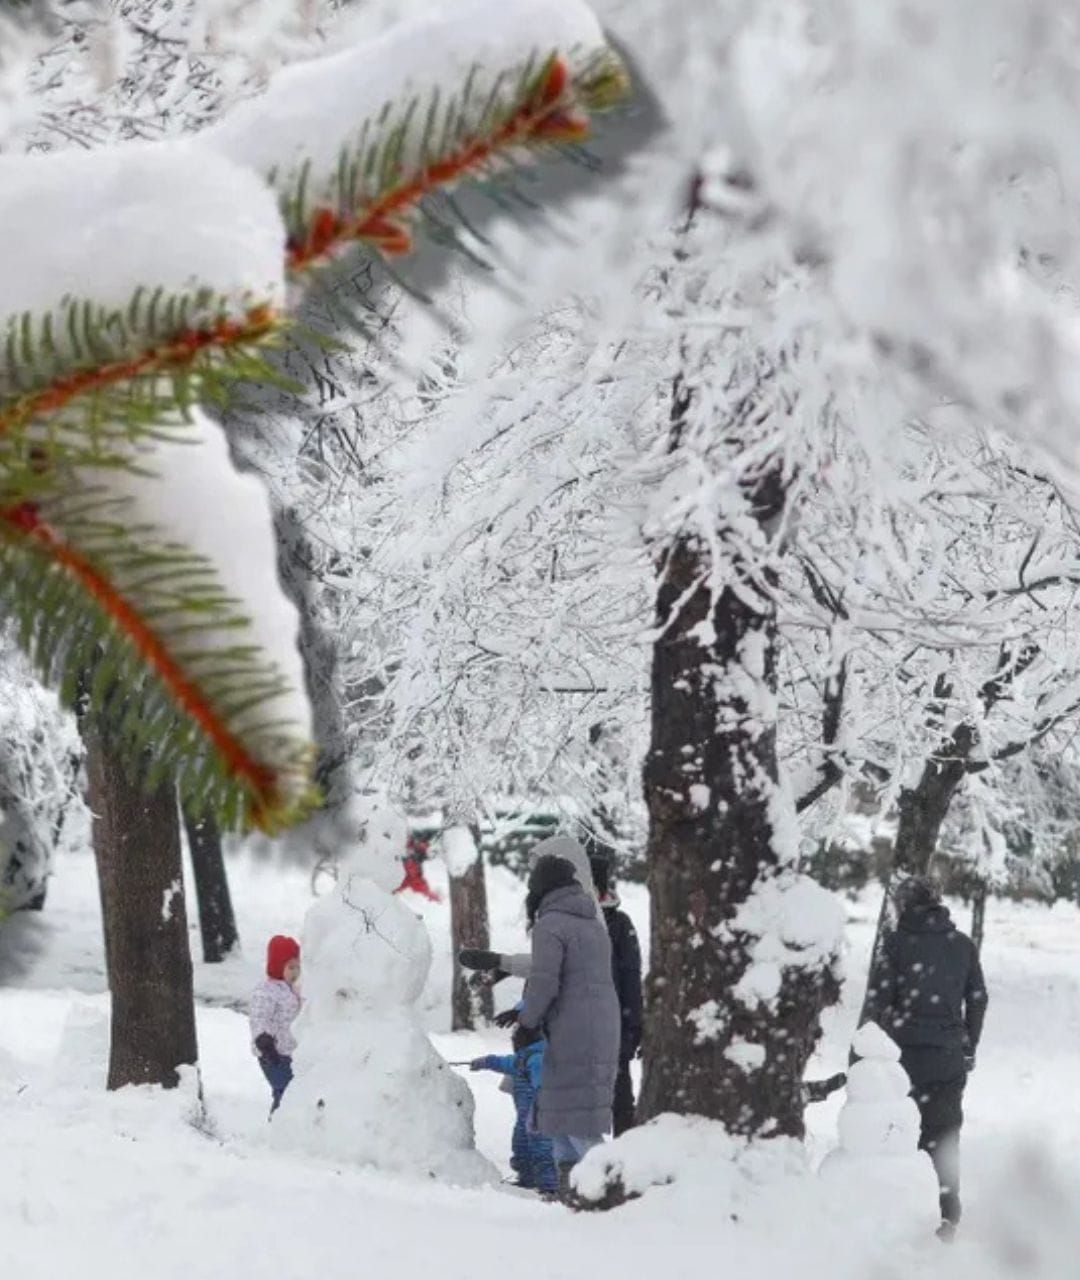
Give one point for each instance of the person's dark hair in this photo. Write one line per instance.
(600, 866)
(548, 873)
(916, 892)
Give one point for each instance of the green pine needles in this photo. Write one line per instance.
(109, 608)
(382, 181)
(80, 386)
(132, 625)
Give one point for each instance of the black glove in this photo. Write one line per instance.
(508, 1018)
(819, 1090)
(264, 1043)
(470, 958)
(969, 1061)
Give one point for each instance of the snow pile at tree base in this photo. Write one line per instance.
(877, 1164)
(696, 1155)
(698, 1168)
(369, 1087)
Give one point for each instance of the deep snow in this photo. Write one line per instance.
(108, 1185)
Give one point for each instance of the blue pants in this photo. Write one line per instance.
(569, 1150)
(278, 1074)
(532, 1159)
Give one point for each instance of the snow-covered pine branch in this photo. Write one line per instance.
(78, 345)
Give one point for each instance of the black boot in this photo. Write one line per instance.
(565, 1192)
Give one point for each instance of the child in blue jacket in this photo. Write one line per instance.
(531, 1156)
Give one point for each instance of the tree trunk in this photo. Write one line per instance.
(469, 927)
(710, 784)
(978, 915)
(137, 847)
(922, 810)
(217, 922)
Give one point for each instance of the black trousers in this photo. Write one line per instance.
(941, 1113)
(622, 1110)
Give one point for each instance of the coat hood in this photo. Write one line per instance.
(926, 919)
(566, 847)
(570, 900)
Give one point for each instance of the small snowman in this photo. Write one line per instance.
(878, 1171)
(369, 1087)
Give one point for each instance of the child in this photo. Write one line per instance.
(531, 1158)
(274, 1004)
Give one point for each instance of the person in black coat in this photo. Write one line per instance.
(927, 991)
(626, 970)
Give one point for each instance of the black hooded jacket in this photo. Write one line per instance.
(626, 971)
(927, 989)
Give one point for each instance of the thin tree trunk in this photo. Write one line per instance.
(469, 927)
(921, 811)
(217, 921)
(924, 807)
(710, 784)
(136, 838)
(978, 915)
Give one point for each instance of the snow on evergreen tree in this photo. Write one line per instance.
(169, 294)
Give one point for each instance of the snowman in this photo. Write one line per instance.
(878, 1171)
(369, 1088)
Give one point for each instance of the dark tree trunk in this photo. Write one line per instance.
(137, 847)
(978, 915)
(710, 784)
(921, 811)
(923, 808)
(469, 927)
(217, 922)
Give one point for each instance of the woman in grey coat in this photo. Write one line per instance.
(570, 996)
(517, 964)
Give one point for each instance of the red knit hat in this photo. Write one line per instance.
(279, 951)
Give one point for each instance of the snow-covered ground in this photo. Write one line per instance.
(124, 1184)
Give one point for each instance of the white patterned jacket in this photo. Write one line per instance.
(274, 1005)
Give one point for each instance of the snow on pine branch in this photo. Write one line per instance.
(357, 141)
(140, 559)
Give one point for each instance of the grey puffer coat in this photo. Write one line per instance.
(570, 994)
(518, 963)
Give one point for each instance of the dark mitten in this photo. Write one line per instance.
(969, 1062)
(471, 958)
(507, 1019)
(819, 1090)
(264, 1043)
